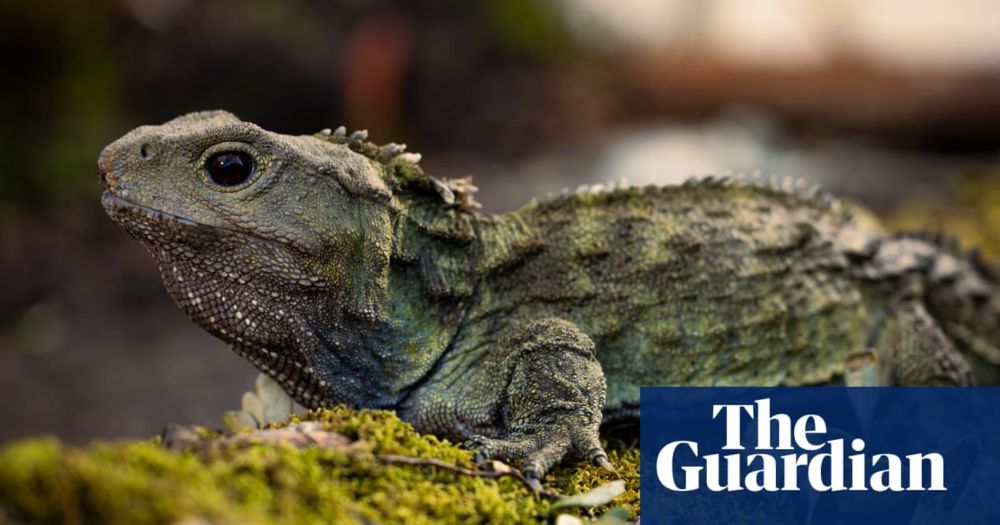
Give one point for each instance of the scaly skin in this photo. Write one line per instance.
(341, 270)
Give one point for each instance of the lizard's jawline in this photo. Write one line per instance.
(114, 203)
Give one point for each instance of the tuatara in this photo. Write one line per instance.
(343, 271)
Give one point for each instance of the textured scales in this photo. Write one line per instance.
(349, 276)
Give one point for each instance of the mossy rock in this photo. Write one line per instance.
(42, 480)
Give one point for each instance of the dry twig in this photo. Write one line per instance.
(492, 474)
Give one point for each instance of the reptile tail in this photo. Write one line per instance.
(961, 292)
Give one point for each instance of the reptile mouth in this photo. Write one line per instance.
(115, 204)
(140, 220)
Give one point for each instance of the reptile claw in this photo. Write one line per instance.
(602, 461)
(533, 482)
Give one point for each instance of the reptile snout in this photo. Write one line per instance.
(120, 156)
(105, 170)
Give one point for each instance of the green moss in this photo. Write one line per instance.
(576, 478)
(141, 482)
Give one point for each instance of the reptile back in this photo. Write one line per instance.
(713, 283)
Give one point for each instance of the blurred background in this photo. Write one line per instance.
(893, 103)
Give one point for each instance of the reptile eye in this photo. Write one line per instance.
(229, 168)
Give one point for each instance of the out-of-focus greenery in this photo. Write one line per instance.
(971, 213)
(60, 98)
(78, 75)
(527, 27)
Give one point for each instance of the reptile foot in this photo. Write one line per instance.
(536, 453)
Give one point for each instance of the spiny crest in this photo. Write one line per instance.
(776, 183)
(946, 241)
(784, 185)
(405, 167)
(589, 189)
(359, 143)
(951, 244)
(460, 192)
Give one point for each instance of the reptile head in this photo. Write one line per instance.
(252, 229)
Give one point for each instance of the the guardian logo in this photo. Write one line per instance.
(790, 455)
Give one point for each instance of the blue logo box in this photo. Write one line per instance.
(820, 455)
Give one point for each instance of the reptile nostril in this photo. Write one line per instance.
(146, 152)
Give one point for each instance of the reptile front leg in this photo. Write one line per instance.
(535, 398)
